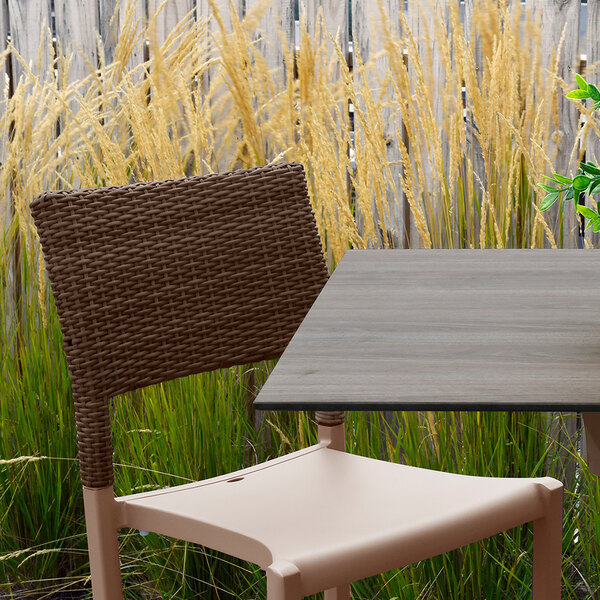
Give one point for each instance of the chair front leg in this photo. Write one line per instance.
(283, 582)
(101, 518)
(547, 547)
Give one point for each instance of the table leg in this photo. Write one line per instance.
(591, 422)
(331, 429)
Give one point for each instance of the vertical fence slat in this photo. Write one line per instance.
(169, 16)
(591, 49)
(204, 10)
(111, 17)
(592, 70)
(29, 24)
(368, 41)
(473, 39)
(3, 99)
(213, 80)
(474, 152)
(77, 31)
(5, 202)
(277, 17)
(421, 17)
(336, 24)
(335, 16)
(413, 237)
(138, 9)
(108, 30)
(557, 18)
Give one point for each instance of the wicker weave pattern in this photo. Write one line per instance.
(154, 281)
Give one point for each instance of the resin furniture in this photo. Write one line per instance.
(154, 281)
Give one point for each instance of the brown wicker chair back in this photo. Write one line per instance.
(154, 281)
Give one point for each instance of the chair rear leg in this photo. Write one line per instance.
(103, 543)
(341, 592)
(547, 549)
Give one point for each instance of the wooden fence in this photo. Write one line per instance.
(78, 24)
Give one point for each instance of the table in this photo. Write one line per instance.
(450, 330)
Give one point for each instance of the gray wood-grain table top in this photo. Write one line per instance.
(448, 330)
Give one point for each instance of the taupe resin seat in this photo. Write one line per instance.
(154, 281)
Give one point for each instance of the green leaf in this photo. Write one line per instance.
(596, 225)
(562, 179)
(581, 182)
(578, 95)
(549, 200)
(595, 187)
(594, 92)
(581, 82)
(568, 196)
(589, 168)
(588, 213)
(547, 188)
(598, 206)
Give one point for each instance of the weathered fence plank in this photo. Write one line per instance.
(77, 34)
(108, 28)
(4, 91)
(592, 51)
(204, 10)
(214, 79)
(367, 19)
(474, 153)
(133, 13)
(277, 20)
(591, 48)
(5, 203)
(167, 16)
(560, 25)
(424, 19)
(335, 18)
(472, 36)
(29, 24)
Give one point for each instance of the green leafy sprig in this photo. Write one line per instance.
(587, 180)
(586, 90)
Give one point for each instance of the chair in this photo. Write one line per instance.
(154, 281)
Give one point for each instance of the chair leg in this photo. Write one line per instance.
(103, 543)
(547, 549)
(341, 592)
(283, 582)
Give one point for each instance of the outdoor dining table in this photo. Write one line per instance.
(450, 330)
